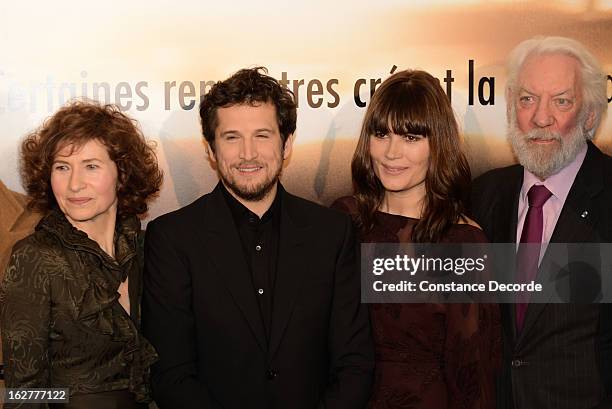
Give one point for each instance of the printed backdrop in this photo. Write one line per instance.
(155, 58)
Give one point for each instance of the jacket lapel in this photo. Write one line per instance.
(292, 266)
(226, 254)
(508, 205)
(571, 226)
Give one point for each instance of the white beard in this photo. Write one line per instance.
(544, 160)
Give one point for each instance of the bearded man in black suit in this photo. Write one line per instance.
(555, 355)
(252, 295)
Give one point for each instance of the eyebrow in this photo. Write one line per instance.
(83, 161)
(569, 90)
(233, 131)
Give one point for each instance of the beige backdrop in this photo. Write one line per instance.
(132, 52)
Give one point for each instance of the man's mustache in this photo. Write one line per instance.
(246, 164)
(541, 135)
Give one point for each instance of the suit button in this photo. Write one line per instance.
(516, 363)
(271, 374)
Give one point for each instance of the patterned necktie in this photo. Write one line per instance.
(528, 256)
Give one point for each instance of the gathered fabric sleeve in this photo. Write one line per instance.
(461, 356)
(25, 309)
(472, 347)
(471, 355)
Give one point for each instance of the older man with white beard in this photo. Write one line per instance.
(555, 355)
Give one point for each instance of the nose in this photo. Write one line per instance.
(75, 183)
(393, 150)
(248, 149)
(543, 116)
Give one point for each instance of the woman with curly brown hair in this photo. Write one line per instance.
(410, 178)
(70, 298)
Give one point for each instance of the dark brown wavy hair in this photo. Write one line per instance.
(413, 102)
(139, 178)
(248, 86)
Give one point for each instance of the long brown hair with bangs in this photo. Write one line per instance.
(413, 102)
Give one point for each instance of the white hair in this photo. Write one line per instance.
(593, 79)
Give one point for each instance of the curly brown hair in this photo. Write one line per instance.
(139, 177)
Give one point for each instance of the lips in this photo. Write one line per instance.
(543, 136)
(248, 168)
(79, 200)
(542, 140)
(393, 170)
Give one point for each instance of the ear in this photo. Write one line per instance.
(211, 153)
(590, 121)
(509, 102)
(288, 147)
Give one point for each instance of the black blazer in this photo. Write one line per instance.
(563, 356)
(201, 313)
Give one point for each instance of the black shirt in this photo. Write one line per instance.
(259, 238)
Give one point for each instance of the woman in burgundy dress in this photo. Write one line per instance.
(410, 179)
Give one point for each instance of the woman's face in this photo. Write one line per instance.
(84, 183)
(400, 161)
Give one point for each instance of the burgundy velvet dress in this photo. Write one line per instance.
(431, 356)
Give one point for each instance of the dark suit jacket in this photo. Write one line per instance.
(563, 356)
(201, 314)
(16, 222)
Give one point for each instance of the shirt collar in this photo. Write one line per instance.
(241, 214)
(558, 184)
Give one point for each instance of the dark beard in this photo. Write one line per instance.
(254, 195)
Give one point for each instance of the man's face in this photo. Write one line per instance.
(547, 124)
(249, 151)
